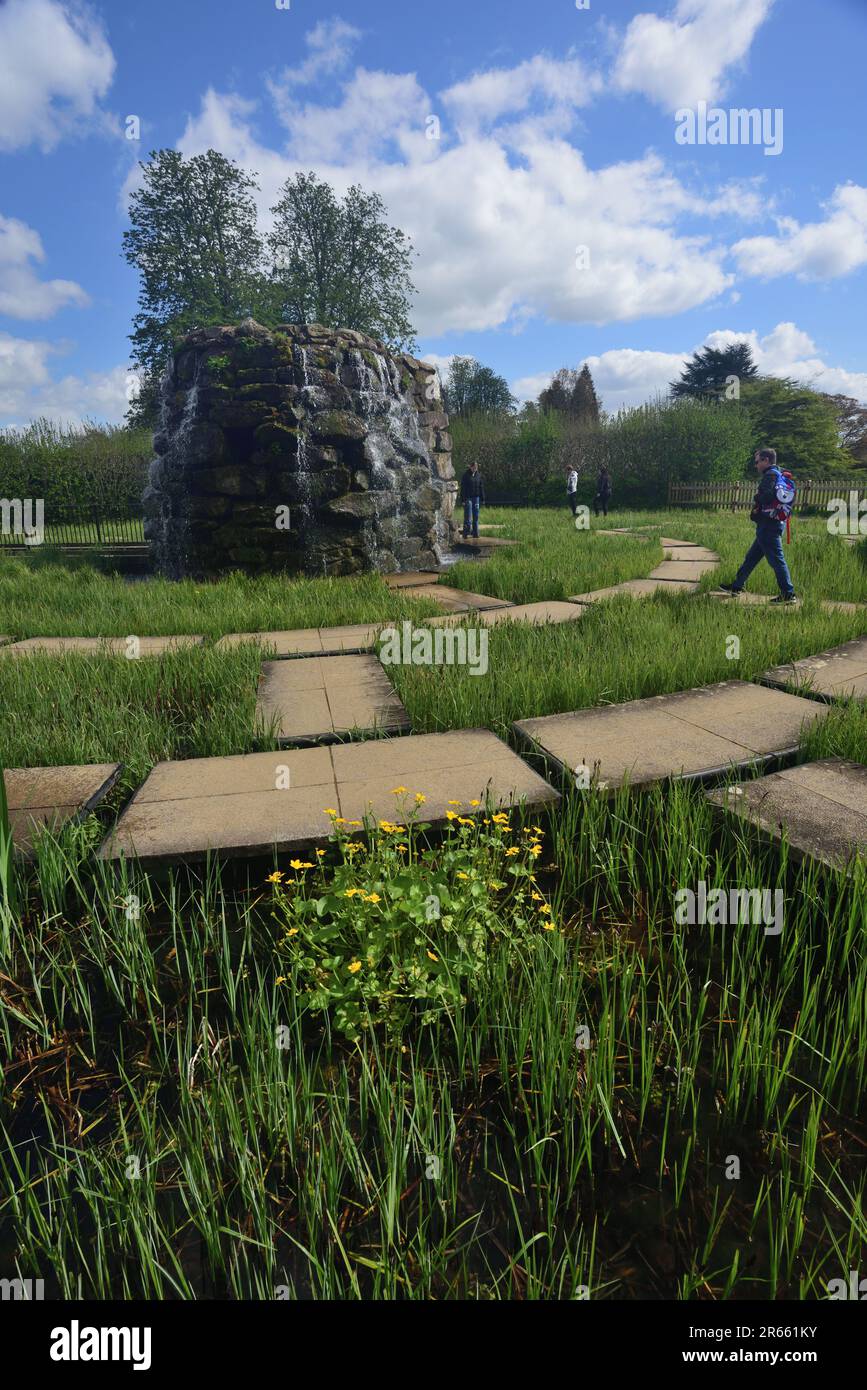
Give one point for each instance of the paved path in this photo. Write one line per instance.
(536, 614)
(680, 572)
(693, 733)
(325, 697)
(822, 805)
(262, 802)
(50, 796)
(839, 673)
(100, 646)
(311, 641)
(457, 600)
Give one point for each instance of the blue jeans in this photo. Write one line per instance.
(768, 545)
(471, 516)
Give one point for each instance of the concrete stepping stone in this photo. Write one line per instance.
(482, 543)
(547, 611)
(637, 588)
(690, 553)
(457, 600)
(412, 579)
(821, 806)
(324, 697)
(99, 646)
(311, 641)
(692, 733)
(50, 796)
(252, 804)
(837, 673)
(680, 570)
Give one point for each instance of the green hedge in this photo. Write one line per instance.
(76, 470)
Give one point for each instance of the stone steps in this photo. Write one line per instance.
(328, 697)
(99, 646)
(40, 797)
(260, 803)
(822, 806)
(839, 673)
(699, 733)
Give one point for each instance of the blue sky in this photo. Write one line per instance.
(557, 131)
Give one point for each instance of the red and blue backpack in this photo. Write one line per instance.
(784, 500)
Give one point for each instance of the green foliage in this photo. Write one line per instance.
(801, 424)
(339, 263)
(572, 393)
(686, 440)
(707, 374)
(194, 240)
(471, 389)
(101, 466)
(396, 932)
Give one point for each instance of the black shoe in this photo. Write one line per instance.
(731, 588)
(785, 598)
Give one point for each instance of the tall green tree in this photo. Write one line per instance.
(572, 393)
(801, 424)
(339, 263)
(706, 374)
(194, 241)
(471, 388)
(851, 416)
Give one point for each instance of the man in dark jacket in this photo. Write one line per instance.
(768, 503)
(472, 496)
(603, 491)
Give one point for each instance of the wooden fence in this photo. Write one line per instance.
(813, 494)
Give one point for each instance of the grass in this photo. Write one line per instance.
(182, 1114)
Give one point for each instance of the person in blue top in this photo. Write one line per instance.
(771, 508)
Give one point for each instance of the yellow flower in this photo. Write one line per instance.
(463, 820)
(537, 829)
(280, 980)
(274, 878)
(356, 822)
(330, 811)
(537, 897)
(396, 791)
(354, 967)
(320, 852)
(420, 798)
(451, 815)
(402, 849)
(463, 875)
(455, 803)
(548, 926)
(544, 908)
(373, 898)
(352, 892)
(339, 820)
(353, 849)
(475, 803)
(513, 849)
(535, 850)
(293, 931)
(432, 956)
(500, 818)
(299, 864)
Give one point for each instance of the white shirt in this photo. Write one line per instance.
(572, 481)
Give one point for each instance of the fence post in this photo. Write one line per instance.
(95, 513)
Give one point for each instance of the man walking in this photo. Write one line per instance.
(572, 488)
(772, 507)
(603, 492)
(472, 496)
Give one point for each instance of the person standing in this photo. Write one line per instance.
(472, 496)
(772, 507)
(572, 488)
(603, 491)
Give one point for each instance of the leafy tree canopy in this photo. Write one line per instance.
(708, 371)
(801, 424)
(471, 388)
(572, 393)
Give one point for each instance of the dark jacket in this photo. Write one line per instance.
(472, 485)
(603, 485)
(766, 498)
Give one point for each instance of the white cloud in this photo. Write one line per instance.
(816, 250)
(22, 294)
(27, 390)
(685, 58)
(484, 98)
(330, 42)
(496, 236)
(55, 66)
(628, 376)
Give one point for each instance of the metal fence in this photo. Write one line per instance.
(78, 528)
(813, 494)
